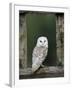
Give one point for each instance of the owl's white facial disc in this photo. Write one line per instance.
(42, 42)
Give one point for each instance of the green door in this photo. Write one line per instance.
(41, 24)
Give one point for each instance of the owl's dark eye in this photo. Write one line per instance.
(40, 41)
(44, 40)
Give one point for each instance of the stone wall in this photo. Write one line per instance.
(22, 42)
(60, 38)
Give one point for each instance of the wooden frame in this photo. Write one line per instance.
(14, 35)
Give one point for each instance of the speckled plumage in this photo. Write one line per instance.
(39, 53)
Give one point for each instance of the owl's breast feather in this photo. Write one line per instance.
(38, 57)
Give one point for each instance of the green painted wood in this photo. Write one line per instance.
(41, 25)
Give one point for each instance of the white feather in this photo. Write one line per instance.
(39, 53)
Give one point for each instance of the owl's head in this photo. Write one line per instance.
(42, 42)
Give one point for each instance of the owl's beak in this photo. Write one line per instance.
(42, 45)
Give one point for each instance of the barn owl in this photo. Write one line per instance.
(39, 53)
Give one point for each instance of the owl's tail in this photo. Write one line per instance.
(35, 67)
